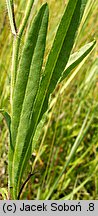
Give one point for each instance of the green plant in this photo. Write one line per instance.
(31, 86)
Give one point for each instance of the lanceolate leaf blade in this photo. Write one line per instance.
(29, 97)
(77, 58)
(22, 79)
(53, 74)
(56, 63)
(23, 72)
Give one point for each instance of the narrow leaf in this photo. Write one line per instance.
(22, 79)
(28, 96)
(10, 153)
(84, 128)
(7, 119)
(10, 8)
(59, 56)
(77, 58)
(56, 63)
(4, 193)
(26, 16)
(23, 72)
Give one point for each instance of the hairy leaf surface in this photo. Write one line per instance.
(24, 70)
(28, 83)
(77, 58)
(58, 56)
(56, 63)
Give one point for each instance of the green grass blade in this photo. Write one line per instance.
(84, 128)
(31, 88)
(94, 170)
(76, 58)
(10, 153)
(26, 16)
(10, 8)
(68, 197)
(4, 193)
(7, 119)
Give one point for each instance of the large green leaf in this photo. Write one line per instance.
(24, 70)
(56, 63)
(26, 87)
(22, 79)
(57, 59)
(58, 56)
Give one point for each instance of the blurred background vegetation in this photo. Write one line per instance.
(73, 100)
